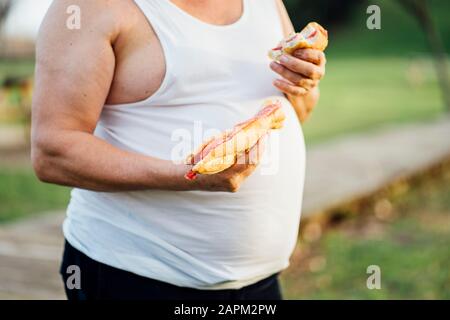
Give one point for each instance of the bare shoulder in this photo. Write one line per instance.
(91, 61)
(87, 19)
(75, 57)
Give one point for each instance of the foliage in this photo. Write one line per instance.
(328, 12)
(400, 35)
(21, 194)
(5, 7)
(359, 94)
(407, 236)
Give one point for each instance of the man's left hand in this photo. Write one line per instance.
(301, 72)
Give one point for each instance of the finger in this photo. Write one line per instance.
(252, 156)
(257, 151)
(308, 84)
(293, 77)
(242, 161)
(289, 88)
(311, 55)
(307, 69)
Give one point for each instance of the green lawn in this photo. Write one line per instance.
(361, 93)
(15, 67)
(377, 77)
(408, 239)
(21, 194)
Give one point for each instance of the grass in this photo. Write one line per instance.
(359, 94)
(16, 67)
(406, 232)
(378, 77)
(21, 194)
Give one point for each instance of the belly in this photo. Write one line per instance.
(258, 223)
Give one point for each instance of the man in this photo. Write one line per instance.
(110, 97)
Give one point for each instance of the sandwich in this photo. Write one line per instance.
(313, 36)
(221, 152)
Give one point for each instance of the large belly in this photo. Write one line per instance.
(258, 223)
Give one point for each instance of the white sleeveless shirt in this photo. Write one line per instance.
(216, 76)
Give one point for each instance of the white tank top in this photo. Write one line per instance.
(216, 77)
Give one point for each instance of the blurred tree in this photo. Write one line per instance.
(5, 6)
(331, 13)
(421, 11)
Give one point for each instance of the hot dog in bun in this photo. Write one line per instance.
(313, 36)
(221, 152)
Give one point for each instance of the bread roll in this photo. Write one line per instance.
(220, 152)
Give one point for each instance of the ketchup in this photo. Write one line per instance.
(191, 175)
(312, 35)
(291, 38)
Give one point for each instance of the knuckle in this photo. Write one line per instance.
(234, 189)
(300, 53)
(315, 83)
(232, 185)
(292, 90)
(305, 83)
(306, 55)
(299, 81)
(298, 91)
(310, 72)
(316, 73)
(320, 74)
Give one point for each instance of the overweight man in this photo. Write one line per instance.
(114, 99)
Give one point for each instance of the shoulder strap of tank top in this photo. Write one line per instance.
(161, 18)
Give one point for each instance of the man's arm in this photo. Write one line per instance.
(74, 71)
(303, 100)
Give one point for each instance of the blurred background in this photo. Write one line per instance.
(378, 81)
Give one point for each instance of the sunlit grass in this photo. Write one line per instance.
(21, 194)
(359, 94)
(408, 239)
(16, 68)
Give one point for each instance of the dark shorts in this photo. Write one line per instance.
(102, 282)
